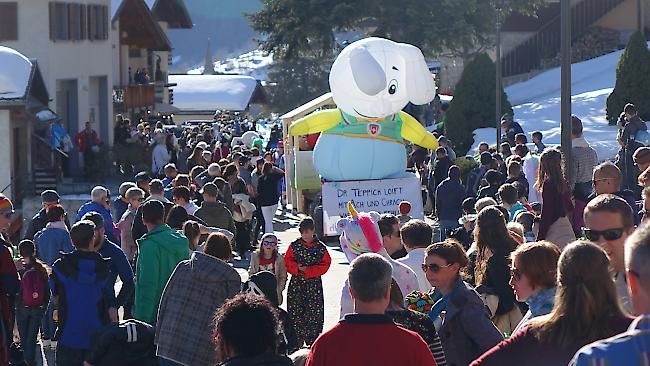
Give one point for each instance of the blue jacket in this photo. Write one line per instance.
(106, 214)
(119, 267)
(80, 280)
(449, 200)
(50, 243)
(120, 208)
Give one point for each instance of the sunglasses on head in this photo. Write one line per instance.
(515, 273)
(610, 234)
(433, 267)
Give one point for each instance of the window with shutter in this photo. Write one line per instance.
(61, 21)
(52, 7)
(91, 22)
(8, 21)
(83, 27)
(105, 21)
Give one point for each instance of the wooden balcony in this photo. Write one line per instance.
(135, 96)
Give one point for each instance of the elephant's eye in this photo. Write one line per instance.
(392, 87)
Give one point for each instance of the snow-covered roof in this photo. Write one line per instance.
(15, 71)
(212, 92)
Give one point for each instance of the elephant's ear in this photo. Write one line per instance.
(420, 84)
(367, 72)
(315, 122)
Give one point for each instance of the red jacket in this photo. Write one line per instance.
(81, 140)
(369, 339)
(315, 270)
(524, 348)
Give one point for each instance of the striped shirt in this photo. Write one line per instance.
(628, 348)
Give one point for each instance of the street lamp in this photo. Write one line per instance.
(565, 102)
(499, 8)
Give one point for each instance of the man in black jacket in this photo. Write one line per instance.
(128, 343)
(631, 124)
(48, 198)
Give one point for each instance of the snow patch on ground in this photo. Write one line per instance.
(537, 104)
(255, 63)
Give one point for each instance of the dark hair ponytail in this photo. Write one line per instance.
(28, 250)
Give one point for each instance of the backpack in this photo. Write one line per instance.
(33, 288)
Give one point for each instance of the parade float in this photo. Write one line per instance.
(360, 154)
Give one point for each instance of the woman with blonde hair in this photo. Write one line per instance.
(554, 223)
(586, 309)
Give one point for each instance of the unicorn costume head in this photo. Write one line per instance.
(360, 234)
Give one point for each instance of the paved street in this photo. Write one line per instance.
(286, 227)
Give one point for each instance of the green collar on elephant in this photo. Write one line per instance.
(388, 128)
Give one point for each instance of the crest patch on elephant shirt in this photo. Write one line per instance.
(374, 129)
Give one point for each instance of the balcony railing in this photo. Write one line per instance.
(134, 96)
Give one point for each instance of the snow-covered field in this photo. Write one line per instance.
(537, 104)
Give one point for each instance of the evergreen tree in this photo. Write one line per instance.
(294, 28)
(473, 103)
(294, 82)
(632, 80)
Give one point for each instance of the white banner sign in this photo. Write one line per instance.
(382, 195)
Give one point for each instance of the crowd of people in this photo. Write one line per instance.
(147, 277)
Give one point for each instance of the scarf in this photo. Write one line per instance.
(542, 302)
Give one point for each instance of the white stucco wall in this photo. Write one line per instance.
(5, 151)
(61, 60)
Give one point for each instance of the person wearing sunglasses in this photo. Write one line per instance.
(633, 346)
(465, 326)
(532, 277)
(608, 223)
(267, 258)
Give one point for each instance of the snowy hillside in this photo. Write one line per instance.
(254, 63)
(537, 104)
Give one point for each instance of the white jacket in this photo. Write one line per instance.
(159, 158)
(245, 206)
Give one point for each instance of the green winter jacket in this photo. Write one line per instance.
(160, 251)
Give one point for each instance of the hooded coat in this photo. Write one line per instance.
(160, 251)
(266, 283)
(196, 289)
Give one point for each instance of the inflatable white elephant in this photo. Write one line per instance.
(371, 81)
